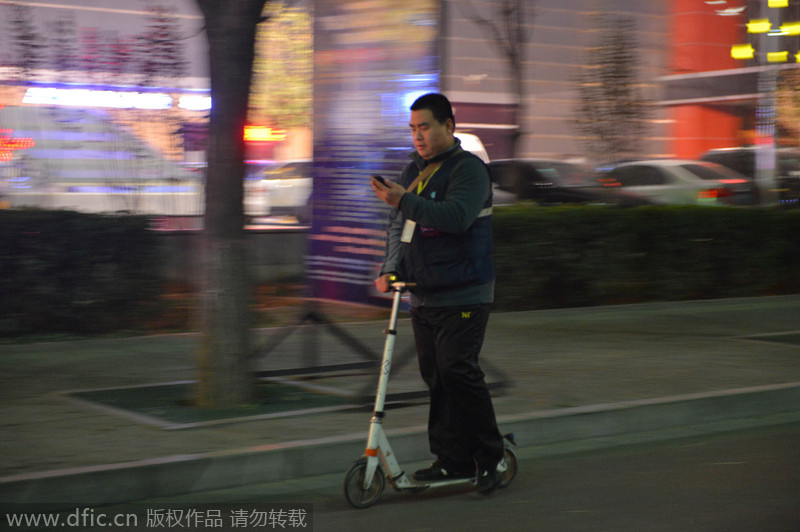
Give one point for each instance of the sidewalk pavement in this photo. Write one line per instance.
(574, 379)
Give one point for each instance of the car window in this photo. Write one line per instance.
(506, 175)
(545, 175)
(564, 174)
(711, 171)
(279, 170)
(289, 171)
(744, 161)
(789, 164)
(622, 176)
(651, 176)
(637, 176)
(740, 161)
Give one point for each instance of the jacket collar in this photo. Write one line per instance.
(422, 163)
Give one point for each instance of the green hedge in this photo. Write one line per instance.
(576, 256)
(66, 272)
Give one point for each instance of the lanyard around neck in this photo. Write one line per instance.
(422, 179)
(424, 183)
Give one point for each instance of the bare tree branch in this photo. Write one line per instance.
(506, 31)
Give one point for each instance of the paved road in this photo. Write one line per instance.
(737, 481)
(588, 377)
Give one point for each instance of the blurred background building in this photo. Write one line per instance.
(105, 108)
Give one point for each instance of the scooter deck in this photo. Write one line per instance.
(416, 485)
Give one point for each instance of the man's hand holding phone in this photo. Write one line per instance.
(387, 191)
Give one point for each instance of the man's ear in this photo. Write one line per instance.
(451, 127)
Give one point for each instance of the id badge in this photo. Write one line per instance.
(408, 231)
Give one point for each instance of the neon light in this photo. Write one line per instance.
(791, 28)
(731, 11)
(778, 57)
(263, 134)
(97, 98)
(16, 143)
(762, 25)
(195, 103)
(778, 3)
(9, 144)
(742, 51)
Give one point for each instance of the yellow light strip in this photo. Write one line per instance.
(778, 57)
(742, 51)
(791, 28)
(762, 25)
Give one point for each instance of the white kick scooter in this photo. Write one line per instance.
(366, 478)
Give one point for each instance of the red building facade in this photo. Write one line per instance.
(711, 97)
(702, 43)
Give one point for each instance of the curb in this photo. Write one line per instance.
(595, 426)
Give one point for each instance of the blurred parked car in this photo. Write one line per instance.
(743, 160)
(681, 182)
(551, 182)
(474, 144)
(278, 189)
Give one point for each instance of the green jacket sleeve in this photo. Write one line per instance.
(467, 191)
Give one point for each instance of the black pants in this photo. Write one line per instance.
(462, 428)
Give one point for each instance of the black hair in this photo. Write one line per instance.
(437, 104)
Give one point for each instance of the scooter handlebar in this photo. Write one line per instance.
(400, 286)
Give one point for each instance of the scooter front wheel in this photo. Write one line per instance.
(354, 491)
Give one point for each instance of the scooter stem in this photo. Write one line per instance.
(388, 348)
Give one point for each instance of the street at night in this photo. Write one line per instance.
(737, 481)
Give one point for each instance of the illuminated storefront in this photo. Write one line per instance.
(719, 51)
(117, 117)
(101, 148)
(104, 94)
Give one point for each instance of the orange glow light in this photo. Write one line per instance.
(9, 144)
(263, 134)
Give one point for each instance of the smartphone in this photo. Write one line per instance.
(379, 179)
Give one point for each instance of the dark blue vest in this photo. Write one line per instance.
(437, 260)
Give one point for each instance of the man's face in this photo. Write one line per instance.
(430, 137)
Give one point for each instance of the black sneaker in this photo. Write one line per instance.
(489, 478)
(439, 471)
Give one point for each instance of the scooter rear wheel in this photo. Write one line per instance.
(511, 470)
(354, 490)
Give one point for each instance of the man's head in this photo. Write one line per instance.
(432, 124)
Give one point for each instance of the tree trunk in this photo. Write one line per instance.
(225, 376)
